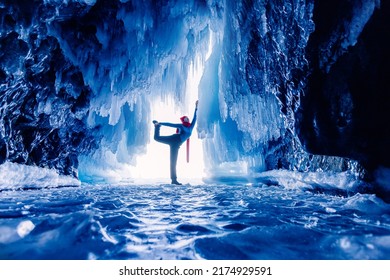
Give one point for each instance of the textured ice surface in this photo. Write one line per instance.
(15, 176)
(253, 221)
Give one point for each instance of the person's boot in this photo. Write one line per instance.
(175, 182)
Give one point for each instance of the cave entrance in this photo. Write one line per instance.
(154, 165)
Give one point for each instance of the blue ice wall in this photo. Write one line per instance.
(78, 79)
(260, 46)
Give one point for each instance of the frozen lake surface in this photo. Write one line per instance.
(279, 218)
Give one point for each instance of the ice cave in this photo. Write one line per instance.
(292, 94)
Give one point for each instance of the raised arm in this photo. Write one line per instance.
(195, 115)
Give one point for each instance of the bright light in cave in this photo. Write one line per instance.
(154, 165)
(111, 165)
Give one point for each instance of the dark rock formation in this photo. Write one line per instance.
(346, 105)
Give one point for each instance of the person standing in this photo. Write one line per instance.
(183, 133)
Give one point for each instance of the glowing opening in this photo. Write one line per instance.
(153, 167)
(155, 163)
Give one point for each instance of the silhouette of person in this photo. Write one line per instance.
(183, 133)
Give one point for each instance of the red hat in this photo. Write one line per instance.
(185, 123)
(183, 117)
